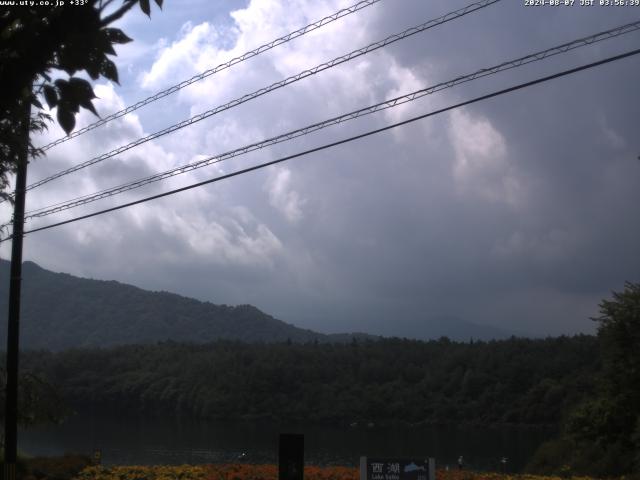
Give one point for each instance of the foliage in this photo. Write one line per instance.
(516, 381)
(470, 475)
(619, 335)
(38, 401)
(211, 472)
(604, 430)
(269, 472)
(66, 467)
(552, 457)
(40, 40)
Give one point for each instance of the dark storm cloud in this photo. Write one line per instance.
(516, 212)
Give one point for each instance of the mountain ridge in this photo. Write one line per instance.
(61, 311)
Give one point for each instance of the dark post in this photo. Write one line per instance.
(291, 457)
(13, 328)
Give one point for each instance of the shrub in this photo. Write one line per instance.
(55, 468)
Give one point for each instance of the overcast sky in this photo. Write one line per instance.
(518, 212)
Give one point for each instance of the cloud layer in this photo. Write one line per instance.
(516, 212)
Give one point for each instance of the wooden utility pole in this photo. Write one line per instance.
(13, 328)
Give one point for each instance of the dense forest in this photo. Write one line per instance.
(516, 381)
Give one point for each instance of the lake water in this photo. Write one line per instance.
(170, 441)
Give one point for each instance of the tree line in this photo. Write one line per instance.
(516, 381)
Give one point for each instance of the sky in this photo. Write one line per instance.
(517, 212)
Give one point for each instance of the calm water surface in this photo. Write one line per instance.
(169, 441)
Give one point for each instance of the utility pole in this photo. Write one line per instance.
(13, 328)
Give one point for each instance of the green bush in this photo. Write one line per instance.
(552, 458)
(55, 468)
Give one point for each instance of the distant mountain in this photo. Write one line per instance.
(458, 329)
(60, 311)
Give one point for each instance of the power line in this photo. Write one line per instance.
(282, 83)
(537, 56)
(196, 78)
(339, 142)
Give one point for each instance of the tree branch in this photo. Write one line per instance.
(105, 4)
(128, 5)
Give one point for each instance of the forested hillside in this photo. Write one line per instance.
(516, 381)
(61, 311)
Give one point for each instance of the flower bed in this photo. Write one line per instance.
(267, 472)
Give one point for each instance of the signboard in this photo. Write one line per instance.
(372, 468)
(291, 457)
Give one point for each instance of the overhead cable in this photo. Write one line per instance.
(533, 57)
(282, 83)
(223, 66)
(339, 142)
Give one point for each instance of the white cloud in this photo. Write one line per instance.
(224, 233)
(131, 54)
(193, 52)
(403, 80)
(481, 161)
(132, 164)
(228, 240)
(282, 196)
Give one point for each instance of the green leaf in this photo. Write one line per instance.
(81, 88)
(108, 70)
(66, 93)
(159, 2)
(93, 67)
(10, 29)
(107, 48)
(60, 83)
(73, 54)
(76, 93)
(50, 95)
(66, 119)
(36, 102)
(89, 106)
(145, 7)
(115, 35)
